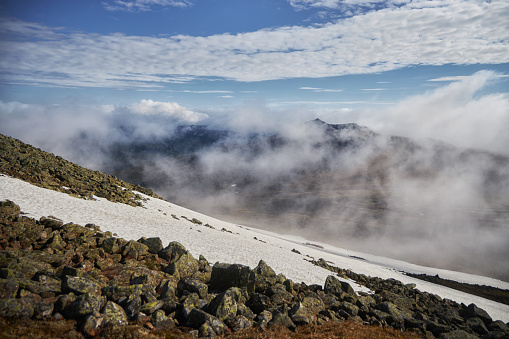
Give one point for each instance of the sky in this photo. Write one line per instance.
(192, 59)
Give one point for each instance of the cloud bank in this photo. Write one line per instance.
(422, 33)
(420, 200)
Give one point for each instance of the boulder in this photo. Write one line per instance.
(161, 321)
(134, 250)
(306, 311)
(16, 308)
(92, 324)
(172, 252)
(80, 285)
(472, 311)
(151, 307)
(224, 276)
(241, 323)
(84, 305)
(224, 306)
(207, 324)
(9, 211)
(155, 245)
(8, 288)
(182, 263)
(281, 318)
(193, 285)
(113, 314)
(338, 288)
(264, 277)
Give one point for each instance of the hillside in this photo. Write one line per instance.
(53, 268)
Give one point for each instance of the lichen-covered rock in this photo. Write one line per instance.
(92, 324)
(161, 321)
(155, 245)
(84, 305)
(306, 311)
(114, 293)
(114, 314)
(43, 310)
(224, 306)
(134, 250)
(16, 308)
(172, 252)
(338, 288)
(207, 324)
(151, 307)
(8, 288)
(241, 323)
(281, 318)
(184, 266)
(193, 285)
(9, 211)
(111, 245)
(264, 277)
(258, 302)
(263, 319)
(80, 285)
(224, 276)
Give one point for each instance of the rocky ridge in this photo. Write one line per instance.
(50, 271)
(46, 170)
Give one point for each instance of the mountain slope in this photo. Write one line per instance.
(225, 242)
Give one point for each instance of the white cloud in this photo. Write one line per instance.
(142, 5)
(451, 32)
(464, 77)
(457, 113)
(316, 89)
(171, 109)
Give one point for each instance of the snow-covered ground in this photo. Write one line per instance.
(231, 243)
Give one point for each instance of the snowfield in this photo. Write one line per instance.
(230, 243)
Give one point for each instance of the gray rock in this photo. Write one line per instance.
(84, 305)
(224, 276)
(161, 321)
(472, 311)
(224, 306)
(477, 325)
(114, 314)
(202, 321)
(193, 285)
(155, 245)
(92, 324)
(16, 308)
(80, 285)
(282, 319)
(457, 334)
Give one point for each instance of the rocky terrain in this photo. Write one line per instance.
(82, 282)
(46, 170)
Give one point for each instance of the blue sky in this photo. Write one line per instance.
(324, 56)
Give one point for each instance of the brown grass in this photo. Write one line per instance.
(22, 328)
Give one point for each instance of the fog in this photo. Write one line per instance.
(425, 180)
